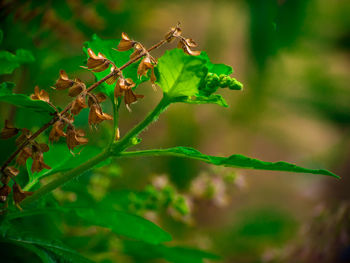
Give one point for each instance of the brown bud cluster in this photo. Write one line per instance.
(75, 86)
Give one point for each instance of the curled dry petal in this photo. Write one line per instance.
(173, 33)
(77, 88)
(182, 44)
(38, 161)
(57, 131)
(124, 88)
(25, 135)
(23, 155)
(5, 190)
(9, 172)
(75, 137)
(125, 43)
(96, 98)
(40, 95)
(97, 63)
(8, 131)
(63, 81)
(77, 105)
(19, 195)
(144, 66)
(96, 116)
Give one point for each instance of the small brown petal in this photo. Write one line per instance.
(40, 95)
(174, 32)
(112, 79)
(5, 190)
(125, 43)
(190, 42)
(144, 66)
(25, 135)
(182, 44)
(38, 162)
(11, 171)
(97, 63)
(96, 116)
(63, 81)
(57, 131)
(8, 131)
(77, 88)
(130, 97)
(18, 194)
(77, 105)
(153, 79)
(96, 98)
(44, 147)
(24, 155)
(75, 138)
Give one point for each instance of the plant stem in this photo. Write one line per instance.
(65, 177)
(126, 142)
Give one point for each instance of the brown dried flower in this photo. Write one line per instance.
(57, 131)
(186, 45)
(96, 98)
(63, 81)
(114, 77)
(173, 33)
(97, 63)
(23, 155)
(9, 172)
(78, 104)
(75, 137)
(77, 88)
(124, 88)
(5, 190)
(96, 115)
(125, 43)
(38, 157)
(144, 66)
(8, 131)
(138, 50)
(19, 195)
(25, 135)
(40, 95)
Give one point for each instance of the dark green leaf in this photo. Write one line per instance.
(180, 74)
(172, 254)
(21, 100)
(236, 160)
(9, 61)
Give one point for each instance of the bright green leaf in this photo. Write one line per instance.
(215, 68)
(21, 100)
(212, 99)
(236, 160)
(9, 61)
(179, 74)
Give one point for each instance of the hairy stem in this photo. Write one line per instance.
(66, 177)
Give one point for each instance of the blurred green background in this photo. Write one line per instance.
(292, 57)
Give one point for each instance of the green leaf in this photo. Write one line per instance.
(54, 246)
(9, 61)
(236, 160)
(215, 68)
(125, 224)
(142, 250)
(212, 99)
(179, 74)
(119, 58)
(21, 100)
(121, 223)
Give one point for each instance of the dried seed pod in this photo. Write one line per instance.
(96, 116)
(23, 155)
(63, 82)
(78, 104)
(77, 88)
(124, 87)
(97, 63)
(5, 190)
(38, 161)
(57, 131)
(125, 43)
(19, 195)
(40, 95)
(75, 137)
(186, 48)
(25, 135)
(144, 66)
(8, 131)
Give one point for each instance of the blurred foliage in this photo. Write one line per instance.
(294, 58)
